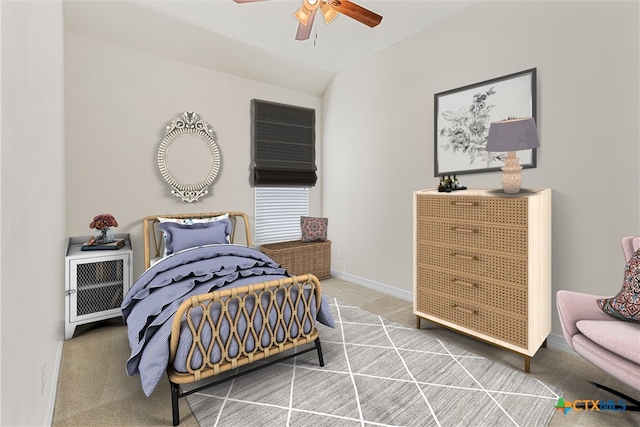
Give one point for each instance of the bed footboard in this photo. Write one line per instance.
(264, 320)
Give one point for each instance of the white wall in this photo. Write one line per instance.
(31, 209)
(118, 102)
(378, 135)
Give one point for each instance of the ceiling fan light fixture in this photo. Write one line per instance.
(311, 4)
(328, 13)
(330, 9)
(302, 15)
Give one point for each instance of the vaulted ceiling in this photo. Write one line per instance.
(254, 40)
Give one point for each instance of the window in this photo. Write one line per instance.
(278, 211)
(283, 144)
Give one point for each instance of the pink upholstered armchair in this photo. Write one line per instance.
(612, 345)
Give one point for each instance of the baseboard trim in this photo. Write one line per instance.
(558, 342)
(554, 340)
(54, 386)
(376, 286)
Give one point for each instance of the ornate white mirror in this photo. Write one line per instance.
(188, 157)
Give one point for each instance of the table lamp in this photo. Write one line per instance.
(510, 136)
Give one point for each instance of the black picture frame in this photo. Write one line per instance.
(462, 119)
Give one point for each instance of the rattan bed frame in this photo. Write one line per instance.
(204, 302)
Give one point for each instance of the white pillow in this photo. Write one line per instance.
(189, 221)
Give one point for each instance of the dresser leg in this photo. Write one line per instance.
(527, 364)
(544, 344)
(418, 322)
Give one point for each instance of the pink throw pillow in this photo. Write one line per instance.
(313, 229)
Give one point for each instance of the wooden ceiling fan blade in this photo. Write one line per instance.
(304, 31)
(356, 12)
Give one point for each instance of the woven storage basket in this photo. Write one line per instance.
(298, 257)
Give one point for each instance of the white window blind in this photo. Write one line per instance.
(278, 211)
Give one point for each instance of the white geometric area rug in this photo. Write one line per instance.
(378, 373)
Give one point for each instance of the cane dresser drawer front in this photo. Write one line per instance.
(482, 265)
(476, 263)
(486, 237)
(496, 210)
(500, 325)
(498, 296)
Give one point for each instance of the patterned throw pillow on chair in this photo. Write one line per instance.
(313, 229)
(626, 305)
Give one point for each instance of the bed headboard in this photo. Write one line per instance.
(153, 238)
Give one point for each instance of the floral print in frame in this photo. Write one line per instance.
(463, 117)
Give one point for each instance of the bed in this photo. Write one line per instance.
(207, 304)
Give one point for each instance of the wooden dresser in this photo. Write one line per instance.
(482, 265)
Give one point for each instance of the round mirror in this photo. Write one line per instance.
(188, 157)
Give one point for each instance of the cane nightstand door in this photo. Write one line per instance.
(482, 265)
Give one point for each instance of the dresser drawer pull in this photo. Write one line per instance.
(464, 203)
(465, 310)
(465, 230)
(467, 284)
(469, 257)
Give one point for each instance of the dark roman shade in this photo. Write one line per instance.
(283, 141)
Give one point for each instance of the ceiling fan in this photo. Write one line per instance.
(330, 9)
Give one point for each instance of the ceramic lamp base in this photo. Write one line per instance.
(511, 176)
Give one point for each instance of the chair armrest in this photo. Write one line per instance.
(575, 306)
(627, 247)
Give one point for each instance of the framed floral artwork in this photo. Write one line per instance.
(463, 116)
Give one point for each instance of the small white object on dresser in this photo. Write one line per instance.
(482, 265)
(96, 282)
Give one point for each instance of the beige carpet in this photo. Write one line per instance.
(94, 390)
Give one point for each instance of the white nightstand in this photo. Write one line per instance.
(96, 282)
